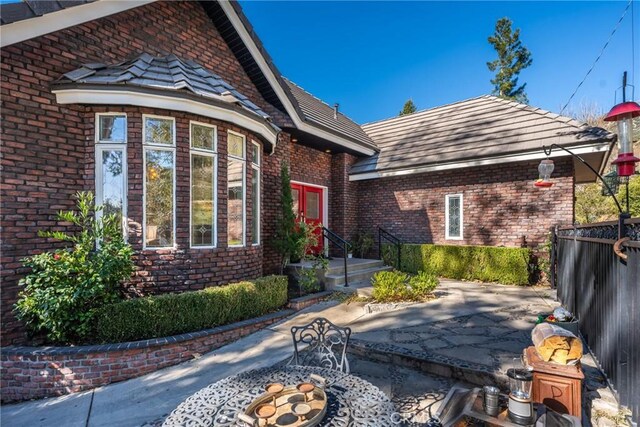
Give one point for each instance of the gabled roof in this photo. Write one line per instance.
(160, 72)
(26, 9)
(477, 131)
(41, 17)
(317, 112)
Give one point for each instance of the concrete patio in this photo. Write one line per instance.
(471, 332)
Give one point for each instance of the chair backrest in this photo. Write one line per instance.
(321, 343)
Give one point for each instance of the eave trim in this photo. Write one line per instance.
(536, 155)
(115, 96)
(40, 25)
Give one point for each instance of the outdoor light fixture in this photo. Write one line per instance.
(545, 169)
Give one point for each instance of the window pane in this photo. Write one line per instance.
(295, 195)
(235, 227)
(159, 198)
(454, 216)
(255, 206)
(313, 205)
(236, 145)
(112, 128)
(202, 214)
(112, 182)
(255, 154)
(158, 131)
(203, 137)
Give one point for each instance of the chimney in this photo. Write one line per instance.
(335, 110)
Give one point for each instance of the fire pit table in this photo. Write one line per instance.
(350, 400)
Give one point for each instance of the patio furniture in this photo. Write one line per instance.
(351, 400)
(321, 343)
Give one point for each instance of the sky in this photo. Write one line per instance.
(371, 57)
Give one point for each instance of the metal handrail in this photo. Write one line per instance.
(382, 233)
(330, 235)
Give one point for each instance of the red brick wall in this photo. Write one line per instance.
(28, 374)
(500, 204)
(310, 166)
(47, 148)
(344, 196)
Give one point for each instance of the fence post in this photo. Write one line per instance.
(553, 257)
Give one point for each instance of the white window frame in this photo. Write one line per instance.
(214, 155)
(244, 188)
(446, 215)
(161, 147)
(101, 146)
(256, 168)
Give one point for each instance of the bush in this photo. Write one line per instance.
(483, 263)
(171, 314)
(64, 288)
(394, 286)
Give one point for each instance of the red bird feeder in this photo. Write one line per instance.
(623, 114)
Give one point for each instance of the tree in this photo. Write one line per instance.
(513, 57)
(409, 108)
(287, 239)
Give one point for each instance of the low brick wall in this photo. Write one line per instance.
(307, 300)
(37, 372)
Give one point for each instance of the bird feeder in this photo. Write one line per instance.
(545, 169)
(623, 114)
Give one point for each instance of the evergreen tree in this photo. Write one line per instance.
(409, 108)
(513, 57)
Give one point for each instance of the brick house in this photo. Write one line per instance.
(176, 117)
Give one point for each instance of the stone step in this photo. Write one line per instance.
(333, 280)
(362, 288)
(353, 265)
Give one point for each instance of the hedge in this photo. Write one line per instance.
(509, 266)
(171, 314)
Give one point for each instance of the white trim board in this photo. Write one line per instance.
(123, 97)
(40, 25)
(537, 155)
(275, 84)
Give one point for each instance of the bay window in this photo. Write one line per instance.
(159, 181)
(236, 176)
(255, 192)
(203, 184)
(111, 165)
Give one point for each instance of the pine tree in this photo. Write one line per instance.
(409, 108)
(513, 57)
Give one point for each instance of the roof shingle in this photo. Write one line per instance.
(165, 72)
(319, 113)
(477, 128)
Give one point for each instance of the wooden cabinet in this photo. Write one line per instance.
(559, 387)
(561, 394)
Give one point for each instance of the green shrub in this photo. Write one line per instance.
(483, 263)
(394, 286)
(171, 314)
(423, 283)
(64, 288)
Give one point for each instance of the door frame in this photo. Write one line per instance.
(325, 207)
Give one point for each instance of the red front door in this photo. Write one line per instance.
(308, 205)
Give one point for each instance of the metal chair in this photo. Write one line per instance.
(321, 343)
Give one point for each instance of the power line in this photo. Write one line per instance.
(624, 13)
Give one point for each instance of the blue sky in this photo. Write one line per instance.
(372, 56)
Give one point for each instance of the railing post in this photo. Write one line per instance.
(399, 256)
(380, 243)
(346, 276)
(553, 257)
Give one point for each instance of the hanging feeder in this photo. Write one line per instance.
(545, 169)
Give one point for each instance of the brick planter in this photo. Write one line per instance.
(307, 300)
(37, 372)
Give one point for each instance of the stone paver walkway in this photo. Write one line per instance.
(472, 325)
